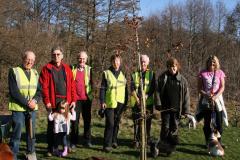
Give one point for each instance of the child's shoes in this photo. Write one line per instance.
(56, 152)
(65, 151)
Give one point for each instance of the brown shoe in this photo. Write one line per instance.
(114, 145)
(49, 154)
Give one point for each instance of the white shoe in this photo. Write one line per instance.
(31, 156)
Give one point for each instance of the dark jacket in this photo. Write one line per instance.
(184, 93)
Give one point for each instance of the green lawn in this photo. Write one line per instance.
(191, 143)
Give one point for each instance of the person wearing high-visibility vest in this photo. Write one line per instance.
(82, 74)
(113, 99)
(148, 79)
(25, 93)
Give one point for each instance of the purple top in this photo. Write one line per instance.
(207, 77)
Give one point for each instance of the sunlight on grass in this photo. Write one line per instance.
(191, 143)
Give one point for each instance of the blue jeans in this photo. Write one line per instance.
(19, 120)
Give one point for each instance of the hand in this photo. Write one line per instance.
(213, 98)
(206, 95)
(146, 96)
(32, 103)
(72, 105)
(158, 107)
(103, 105)
(138, 101)
(48, 106)
(72, 109)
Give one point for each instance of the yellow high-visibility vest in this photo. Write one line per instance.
(115, 89)
(88, 86)
(147, 83)
(26, 87)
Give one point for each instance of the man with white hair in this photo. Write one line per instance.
(148, 79)
(82, 74)
(24, 93)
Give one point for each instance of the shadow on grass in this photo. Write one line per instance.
(185, 150)
(130, 153)
(191, 144)
(96, 140)
(121, 142)
(189, 151)
(125, 146)
(98, 125)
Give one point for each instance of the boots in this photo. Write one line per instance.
(65, 151)
(56, 152)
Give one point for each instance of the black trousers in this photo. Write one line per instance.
(136, 115)
(169, 129)
(84, 108)
(50, 127)
(50, 135)
(112, 120)
(60, 139)
(207, 123)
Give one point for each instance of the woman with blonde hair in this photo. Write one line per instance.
(211, 85)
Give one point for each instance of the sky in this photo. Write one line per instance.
(151, 6)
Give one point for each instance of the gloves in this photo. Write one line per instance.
(101, 112)
(158, 107)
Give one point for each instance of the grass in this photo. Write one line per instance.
(191, 143)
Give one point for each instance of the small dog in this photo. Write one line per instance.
(214, 147)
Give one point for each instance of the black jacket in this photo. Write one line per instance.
(184, 93)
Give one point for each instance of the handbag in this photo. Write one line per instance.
(204, 104)
(207, 104)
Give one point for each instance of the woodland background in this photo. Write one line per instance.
(190, 31)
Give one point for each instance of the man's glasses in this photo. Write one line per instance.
(57, 54)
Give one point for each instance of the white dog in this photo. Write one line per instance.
(214, 147)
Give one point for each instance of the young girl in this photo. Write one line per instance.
(61, 120)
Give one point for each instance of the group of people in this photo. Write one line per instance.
(66, 92)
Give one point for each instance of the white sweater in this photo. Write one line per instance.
(221, 107)
(61, 124)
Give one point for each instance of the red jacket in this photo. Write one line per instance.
(48, 87)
